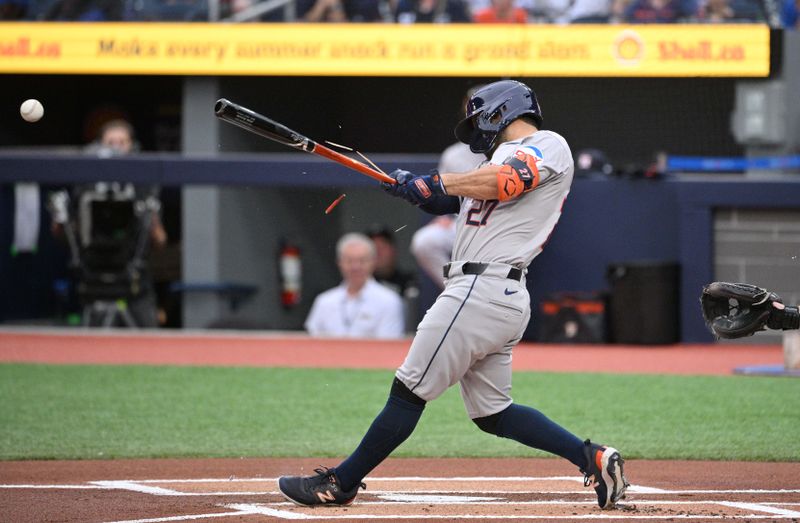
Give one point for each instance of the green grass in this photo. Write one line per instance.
(64, 412)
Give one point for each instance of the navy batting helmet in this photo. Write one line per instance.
(491, 108)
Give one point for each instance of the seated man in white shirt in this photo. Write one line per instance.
(359, 307)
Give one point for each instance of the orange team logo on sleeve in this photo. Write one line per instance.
(518, 174)
(531, 161)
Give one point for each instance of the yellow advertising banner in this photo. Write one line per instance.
(384, 50)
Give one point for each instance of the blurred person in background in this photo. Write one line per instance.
(13, 9)
(659, 11)
(501, 12)
(359, 307)
(228, 8)
(595, 11)
(388, 273)
(546, 11)
(716, 12)
(116, 138)
(457, 158)
(85, 10)
(386, 270)
(337, 11)
(315, 11)
(432, 244)
(731, 11)
(536, 11)
(431, 11)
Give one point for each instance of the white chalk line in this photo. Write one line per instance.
(142, 485)
(409, 497)
(283, 514)
(639, 489)
(176, 493)
(772, 509)
(376, 478)
(730, 491)
(247, 509)
(132, 485)
(762, 508)
(554, 502)
(137, 487)
(61, 487)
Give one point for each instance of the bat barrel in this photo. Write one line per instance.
(260, 124)
(272, 130)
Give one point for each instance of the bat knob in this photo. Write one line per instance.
(221, 105)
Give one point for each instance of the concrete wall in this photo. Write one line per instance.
(244, 246)
(761, 247)
(237, 224)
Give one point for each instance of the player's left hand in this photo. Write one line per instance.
(420, 190)
(397, 189)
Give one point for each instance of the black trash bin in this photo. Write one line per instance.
(644, 302)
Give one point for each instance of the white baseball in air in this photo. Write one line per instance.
(31, 110)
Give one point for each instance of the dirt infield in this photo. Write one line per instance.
(244, 490)
(399, 490)
(293, 350)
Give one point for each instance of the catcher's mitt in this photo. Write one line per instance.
(736, 310)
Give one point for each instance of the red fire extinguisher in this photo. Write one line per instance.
(291, 274)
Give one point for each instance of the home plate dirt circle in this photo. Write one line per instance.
(224, 490)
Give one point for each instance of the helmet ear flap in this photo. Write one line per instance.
(474, 138)
(465, 130)
(481, 142)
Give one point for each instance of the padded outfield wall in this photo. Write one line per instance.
(605, 221)
(629, 118)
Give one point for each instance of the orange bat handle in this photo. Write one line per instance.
(330, 154)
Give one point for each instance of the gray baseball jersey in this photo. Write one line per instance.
(514, 231)
(467, 335)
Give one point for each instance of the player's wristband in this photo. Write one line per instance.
(784, 319)
(791, 318)
(436, 178)
(441, 205)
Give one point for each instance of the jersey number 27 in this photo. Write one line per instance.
(480, 212)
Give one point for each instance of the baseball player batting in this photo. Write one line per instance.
(507, 208)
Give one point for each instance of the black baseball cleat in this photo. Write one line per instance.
(320, 489)
(604, 471)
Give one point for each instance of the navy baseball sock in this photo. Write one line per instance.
(391, 427)
(532, 428)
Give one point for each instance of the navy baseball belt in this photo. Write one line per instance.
(514, 273)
